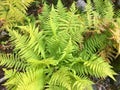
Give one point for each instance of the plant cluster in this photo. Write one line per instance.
(62, 49)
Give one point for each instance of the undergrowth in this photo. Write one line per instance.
(61, 49)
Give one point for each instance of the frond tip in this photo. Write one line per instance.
(95, 66)
(82, 84)
(99, 67)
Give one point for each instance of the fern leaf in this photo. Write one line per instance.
(12, 61)
(67, 50)
(82, 84)
(93, 44)
(13, 10)
(53, 21)
(29, 80)
(61, 9)
(100, 68)
(35, 39)
(95, 66)
(11, 82)
(89, 13)
(21, 43)
(61, 78)
(107, 9)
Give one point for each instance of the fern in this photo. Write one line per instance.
(89, 13)
(38, 44)
(94, 44)
(13, 10)
(13, 61)
(67, 50)
(99, 67)
(82, 84)
(62, 78)
(50, 56)
(95, 66)
(28, 80)
(115, 36)
(27, 43)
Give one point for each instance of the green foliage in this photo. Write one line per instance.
(106, 11)
(12, 61)
(12, 11)
(31, 79)
(94, 44)
(55, 54)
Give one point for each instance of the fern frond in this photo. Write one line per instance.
(68, 49)
(61, 78)
(109, 10)
(60, 8)
(25, 45)
(106, 11)
(50, 26)
(66, 80)
(29, 80)
(116, 36)
(89, 13)
(44, 16)
(13, 10)
(95, 66)
(13, 61)
(32, 79)
(35, 40)
(59, 43)
(94, 44)
(11, 82)
(73, 25)
(108, 54)
(99, 68)
(82, 84)
(53, 21)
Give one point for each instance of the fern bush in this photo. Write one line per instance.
(56, 54)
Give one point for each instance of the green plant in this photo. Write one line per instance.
(56, 55)
(13, 11)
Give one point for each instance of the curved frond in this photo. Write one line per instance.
(35, 38)
(95, 66)
(25, 45)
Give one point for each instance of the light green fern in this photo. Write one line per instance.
(13, 11)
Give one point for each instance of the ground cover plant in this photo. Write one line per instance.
(62, 48)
